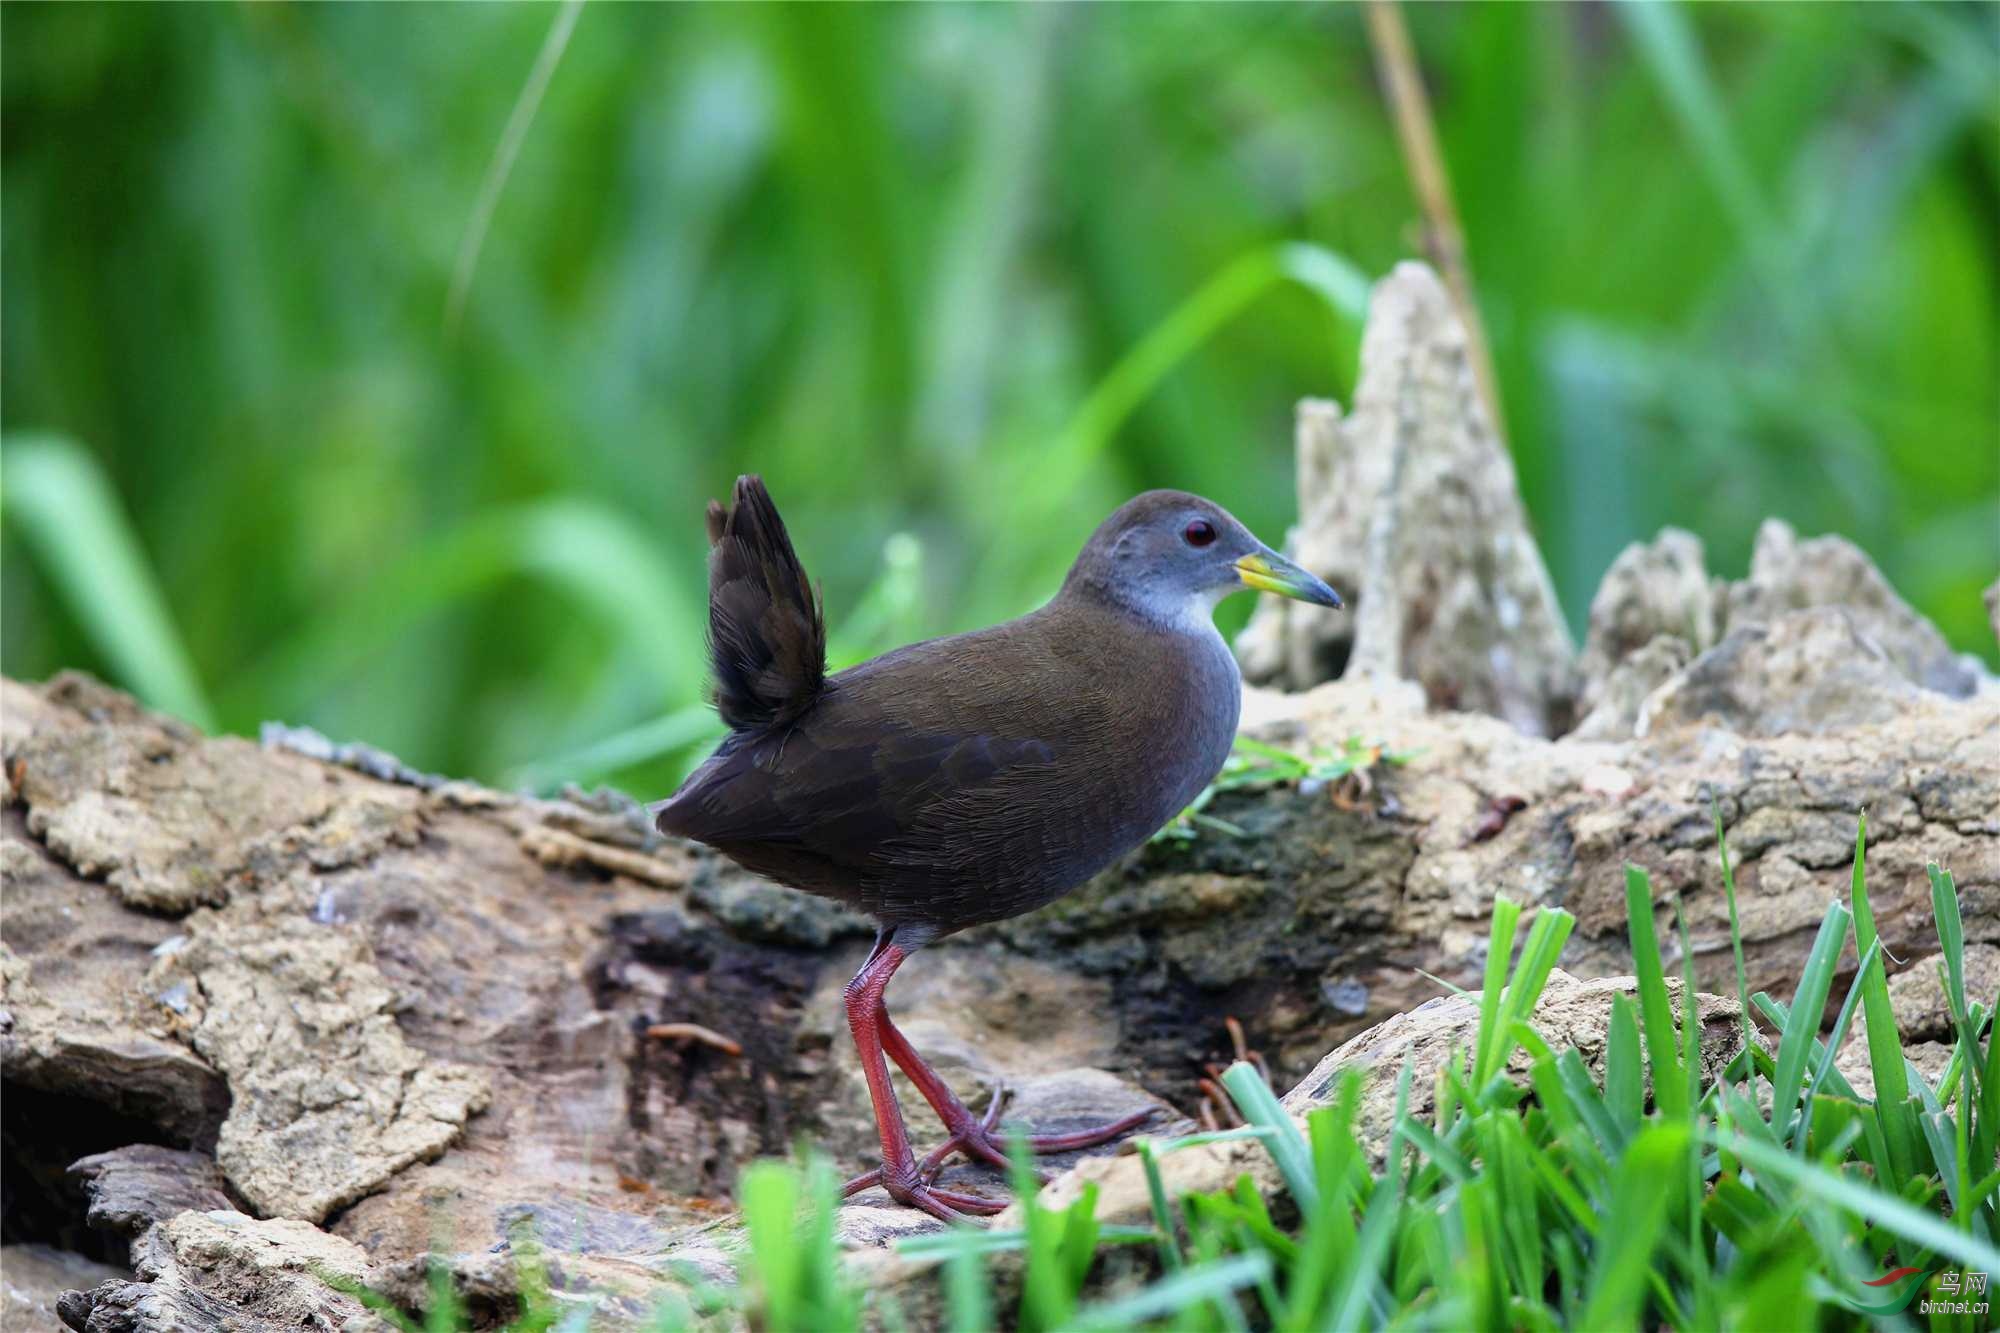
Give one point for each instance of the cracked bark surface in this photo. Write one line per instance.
(382, 1002)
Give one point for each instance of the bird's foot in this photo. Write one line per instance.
(978, 1140)
(946, 1205)
(916, 1185)
(933, 1163)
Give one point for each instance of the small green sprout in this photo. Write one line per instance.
(1256, 766)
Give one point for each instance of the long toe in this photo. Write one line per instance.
(933, 1163)
(993, 1107)
(947, 1205)
(1090, 1138)
(982, 1143)
(959, 1204)
(975, 1140)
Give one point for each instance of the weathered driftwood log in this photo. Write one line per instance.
(398, 1012)
(374, 964)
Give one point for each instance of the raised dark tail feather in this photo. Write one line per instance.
(766, 628)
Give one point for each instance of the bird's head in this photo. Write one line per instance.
(1172, 556)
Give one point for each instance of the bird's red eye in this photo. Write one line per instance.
(1199, 532)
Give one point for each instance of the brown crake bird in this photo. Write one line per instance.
(972, 778)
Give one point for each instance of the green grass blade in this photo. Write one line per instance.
(1987, 1141)
(1079, 1237)
(1505, 1148)
(1778, 1014)
(1421, 1137)
(1975, 1071)
(1655, 1010)
(1163, 1218)
(1544, 946)
(1799, 1038)
(445, 1314)
(1569, 1277)
(836, 1305)
(1260, 1106)
(1735, 927)
(1048, 1299)
(372, 1300)
(1533, 1043)
(1823, 1063)
(1920, 1228)
(967, 1294)
(1480, 1275)
(1362, 1281)
(1611, 1136)
(694, 726)
(1694, 1257)
(1328, 1234)
(1738, 1212)
(1635, 1226)
(1690, 1010)
(769, 1195)
(943, 1244)
(1220, 1280)
(1163, 1147)
(1776, 1293)
(1197, 319)
(1268, 1296)
(1966, 1139)
(63, 504)
(1405, 1078)
(1985, 1187)
(1885, 1048)
(1947, 1151)
(566, 544)
(1499, 955)
(1561, 1188)
(526, 104)
(1254, 1218)
(1670, 52)
(1951, 934)
(1331, 276)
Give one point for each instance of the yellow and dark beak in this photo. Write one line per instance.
(1271, 572)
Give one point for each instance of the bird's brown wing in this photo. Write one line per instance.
(956, 780)
(841, 785)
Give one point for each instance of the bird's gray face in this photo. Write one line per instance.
(1174, 556)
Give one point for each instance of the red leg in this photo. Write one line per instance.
(966, 1132)
(939, 1155)
(899, 1174)
(970, 1134)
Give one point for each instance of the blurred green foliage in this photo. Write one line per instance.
(970, 273)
